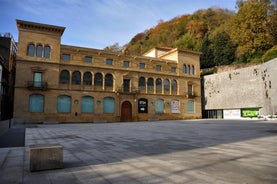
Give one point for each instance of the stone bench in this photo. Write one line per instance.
(45, 157)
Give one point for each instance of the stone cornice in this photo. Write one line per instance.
(39, 27)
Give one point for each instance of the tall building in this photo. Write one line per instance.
(241, 92)
(8, 50)
(65, 83)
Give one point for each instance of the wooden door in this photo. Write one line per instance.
(126, 111)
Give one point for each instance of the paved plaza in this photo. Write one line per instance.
(196, 151)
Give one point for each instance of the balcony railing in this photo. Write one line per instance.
(191, 95)
(37, 85)
(128, 91)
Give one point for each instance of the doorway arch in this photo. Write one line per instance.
(126, 111)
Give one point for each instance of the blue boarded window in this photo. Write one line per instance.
(190, 106)
(87, 104)
(64, 104)
(36, 103)
(108, 105)
(159, 104)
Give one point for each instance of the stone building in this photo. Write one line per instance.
(241, 92)
(8, 50)
(64, 83)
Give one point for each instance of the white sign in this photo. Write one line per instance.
(231, 114)
(175, 106)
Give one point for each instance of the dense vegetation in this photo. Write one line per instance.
(223, 36)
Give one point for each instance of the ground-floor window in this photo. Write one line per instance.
(159, 105)
(108, 105)
(64, 104)
(87, 104)
(190, 106)
(36, 103)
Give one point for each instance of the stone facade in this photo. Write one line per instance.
(63, 83)
(253, 87)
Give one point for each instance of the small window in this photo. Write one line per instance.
(190, 106)
(98, 79)
(126, 63)
(88, 59)
(31, 50)
(184, 68)
(190, 92)
(192, 70)
(66, 57)
(47, 52)
(166, 85)
(39, 51)
(109, 61)
(158, 67)
(142, 82)
(108, 80)
(87, 78)
(159, 85)
(173, 69)
(189, 69)
(142, 65)
(76, 78)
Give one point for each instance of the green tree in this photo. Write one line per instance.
(250, 28)
(223, 49)
(187, 42)
(207, 56)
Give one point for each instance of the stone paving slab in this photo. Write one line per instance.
(199, 151)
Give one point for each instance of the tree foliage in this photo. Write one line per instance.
(223, 36)
(250, 27)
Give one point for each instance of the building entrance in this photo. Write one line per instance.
(126, 111)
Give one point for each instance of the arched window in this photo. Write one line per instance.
(109, 80)
(150, 84)
(159, 84)
(31, 50)
(188, 69)
(87, 104)
(47, 51)
(108, 105)
(190, 106)
(166, 85)
(76, 77)
(174, 85)
(141, 82)
(36, 103)
(64, 77)
(184, 68)
(192, 70)
(87, 78)
(159, 106)
(98, 79)
(39, 51)
(64, 104)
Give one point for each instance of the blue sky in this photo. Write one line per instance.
(99, 23)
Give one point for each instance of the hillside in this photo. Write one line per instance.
(223, 36)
